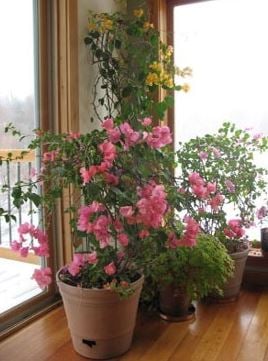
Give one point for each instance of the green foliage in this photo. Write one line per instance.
(198, 270)
(132, 65)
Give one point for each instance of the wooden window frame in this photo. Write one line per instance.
(58, 111)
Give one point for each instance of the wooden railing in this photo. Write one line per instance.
(10, 173)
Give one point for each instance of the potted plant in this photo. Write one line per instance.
(122, 190)
(262, 216)
(181, 273)
(223, 183)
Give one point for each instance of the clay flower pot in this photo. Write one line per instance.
(100, 322)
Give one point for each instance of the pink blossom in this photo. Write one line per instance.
(101, 230)
(203, 155)
(42, 277)
(234, 229)
(74, 268)
(257, 136)
(131, 136)
(262, 212)
(114, 135)
(24, 251)
(152, 206)
(190, 233)
(144, 233)
(42, 250)
(25, 228)
(104, 166)
(126, 211)
(74, 135)
(87, 174)
(216, 201)
(230, 186)
(173, 241)
(196, 179)
(123, 239)
(216, 152)
(120, 255)
(16, 246)
(200, 191)
(159, 137)
(50, 156)
(211, 187)
(146, 121)
(85, 212)
(92, 257)
(117, 225)
(111, 179)
(181, 190)
(110, 269)
(108, 124)
(108, 150)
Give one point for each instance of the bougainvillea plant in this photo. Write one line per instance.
(222, 182)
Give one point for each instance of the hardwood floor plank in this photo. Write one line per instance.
(247, 304)
(256, 339)
(230, 332)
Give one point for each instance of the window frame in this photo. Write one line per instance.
(58, 110)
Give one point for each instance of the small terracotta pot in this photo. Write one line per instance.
(101, 324)
(174, 304)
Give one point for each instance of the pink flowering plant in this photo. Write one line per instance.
(222, 182)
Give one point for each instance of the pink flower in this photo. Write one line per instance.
(24, 251)
(211, 187)
(74, 268)
(114, 135)
(144, 233)
(117, 225)
(262, 212)
(159, 137)
(25, 228)
(173, 241)
(16, 246)
(216, 152)
(146, 121)
(108, 124)
(111, 179)
(190, 233)
(196, 179)
(110, 269)
(42, 250)
(230, 186)
(108, 150)
(216, 201)
(74, 135)
(42, 277)
(123, 239)
(203, 155)
(126, 211)
(234, 229)
(257, 136)
(200, 191)
(87, 174)
(92, 257)
(50, 156)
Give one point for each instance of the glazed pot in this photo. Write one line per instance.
(100, 322)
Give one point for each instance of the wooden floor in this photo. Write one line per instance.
(220, 332)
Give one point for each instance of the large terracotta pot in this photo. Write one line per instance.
(101, 324)
(175, 304)
(232, 287)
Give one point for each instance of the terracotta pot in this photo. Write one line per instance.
(101, 324)
(174, 304)
(232, 288)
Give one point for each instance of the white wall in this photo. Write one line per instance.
(86, 71)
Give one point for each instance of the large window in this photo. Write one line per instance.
(224, 42)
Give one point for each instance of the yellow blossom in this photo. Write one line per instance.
(169, 83)
(107, 24)
(152, 79)
(156, 66)
(185, 87)
(92, 26)
(169, 51)
(138, 13)
(147, 25)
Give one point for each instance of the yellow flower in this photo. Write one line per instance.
(92, 26)
(147, 26)
(157, 67)
(185, 87)
(169, 51)
(152, 79)
(107, 24)
(169, 83)
(138, 13)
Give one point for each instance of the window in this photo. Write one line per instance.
(223, 42)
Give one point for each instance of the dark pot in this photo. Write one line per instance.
(175, 304)
(264, 239)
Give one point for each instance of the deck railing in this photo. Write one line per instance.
(21, 168)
